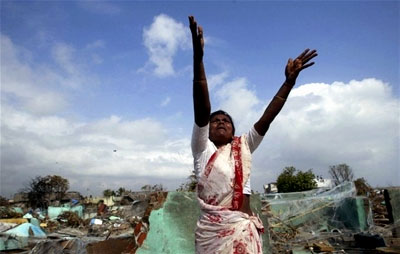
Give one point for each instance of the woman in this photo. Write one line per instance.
(222, 161)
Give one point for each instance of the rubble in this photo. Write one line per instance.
(70, 219)
(72, 246)
(346, 219)
(392, 197)
(26, 230)
(77, 228)
(172, 226)
(9, 213)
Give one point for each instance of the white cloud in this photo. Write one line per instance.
(73, 66)
(357, 123)
(96, 59)
(238, 100)
(63, 55)
(215, 80)
(37, 139)
(109, 147)
(162, 40)
(166, 101)
(96, 44)
(37, 86)
(27, 85)
(321, 125)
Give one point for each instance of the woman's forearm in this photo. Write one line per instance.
(201, 100)
(273, 108)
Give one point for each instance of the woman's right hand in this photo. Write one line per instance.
(197, 39)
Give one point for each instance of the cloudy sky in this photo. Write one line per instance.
(100, 92)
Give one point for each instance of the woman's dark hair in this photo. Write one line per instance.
(221, 112)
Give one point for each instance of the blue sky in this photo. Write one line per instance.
(81, 79)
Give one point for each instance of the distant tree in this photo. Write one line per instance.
(41, 188)
(108, 193)
(121, 191)
(146, 187)
(158, 187)
(341, 173)
(59, 185)
(3, 201)
(288, 181)
(362, 187)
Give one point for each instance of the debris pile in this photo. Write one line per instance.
(79, 227)
(350, 218)
(377, 199)
(344, 219)
(9, 213)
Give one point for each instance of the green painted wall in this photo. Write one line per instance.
(53, 212)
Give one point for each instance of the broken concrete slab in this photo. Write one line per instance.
(72, 232)
(4, 226)
(27, 216)
(63, 246)
(8, 242)
(26, 230)
(53, 211)
(172, 226)
(17, 210)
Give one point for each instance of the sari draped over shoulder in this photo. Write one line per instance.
(222, 228)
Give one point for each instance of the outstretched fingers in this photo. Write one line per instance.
(306, 66)
(307, 57)
(303, 54)
(197, 38)
(197, 31)
(193, 26)
(200, 32)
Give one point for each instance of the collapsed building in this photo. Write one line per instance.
(343, 219)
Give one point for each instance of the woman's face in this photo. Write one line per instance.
(221, 131)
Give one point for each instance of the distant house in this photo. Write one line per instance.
(270, 188)
(68, 196)
(127, 198)
(321, 183)
(51, 198)
(324, 183)
(21, 197)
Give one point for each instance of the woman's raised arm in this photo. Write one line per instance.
(201, 99)
(292, 70)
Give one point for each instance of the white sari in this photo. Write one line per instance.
(221, 228)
